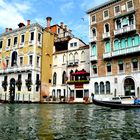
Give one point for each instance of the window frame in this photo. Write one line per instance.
(129, 9)
(92, 18)
(115, 10)
(104, 18)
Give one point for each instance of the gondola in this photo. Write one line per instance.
(113, 104)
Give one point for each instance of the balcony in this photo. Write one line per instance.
(106, 35)
(106, 55)
(125, 51)
(78, 82)
(93, 39)
(72, 63)
(93, 58)
(125, 29)
(15, 69)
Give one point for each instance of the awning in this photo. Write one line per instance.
(81, 72)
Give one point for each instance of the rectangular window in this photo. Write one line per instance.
(32, 36)
(37, 61)
(106, 14)
(121, 67)
(129, 5)
(22, 38)
(1, 44)
(39, 37)
(15, 40)
(93, 19)
(30, 60)
(117, 10)
(7, 62)
(29, 76)
(19, 77)
(108, 68)
(71, 44)
(21, 61)
(135, 66)
(9, 42)
(75, 43)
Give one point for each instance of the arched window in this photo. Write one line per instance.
(14, 59)
(107, 87)
(129, 42)
(76, 56)
(94, 32)
(64, 77)
(125, 21)
(54, 78)
(71, 57)
(96, 88)
(82, 56)
(102, 90)
(136, 40)
(116, 44)
(131, 19)
(106, 28)
(64, 58)
(94, 50)
(107, 47)
(118, 23)
(71, 77)
(123, 43)
(108, 67)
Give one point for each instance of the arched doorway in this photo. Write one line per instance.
(12, 89)
(129, 87)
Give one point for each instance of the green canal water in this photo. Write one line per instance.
(67, 122)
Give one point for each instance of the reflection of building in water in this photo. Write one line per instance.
(22, 52)
(114, 48)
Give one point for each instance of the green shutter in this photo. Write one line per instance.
(130, 42)
(120, 62)
(123, 43)
(94, 49)
(134, 60)
(107, 47)
(136, 40)
(94, 67)
(125, 21)
(116, 44)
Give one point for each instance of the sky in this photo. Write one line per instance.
(71, 12)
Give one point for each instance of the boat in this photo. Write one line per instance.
(115, 104)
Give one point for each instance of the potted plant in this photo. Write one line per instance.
(4, 85)
(28, 84)
(19, 84)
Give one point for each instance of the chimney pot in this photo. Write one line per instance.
(21, 25)
(61, 24)
(6, 29)
(48, 21)
(65, 26)
(28, 22)
(10, 29)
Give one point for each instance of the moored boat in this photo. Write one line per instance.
(115, 104)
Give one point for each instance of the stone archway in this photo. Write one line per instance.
(129, 87)
(12, 89)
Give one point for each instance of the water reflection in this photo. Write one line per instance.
(67, 122)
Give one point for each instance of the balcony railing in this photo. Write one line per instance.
(78, 82)
(125, 29)
(126, 51)
(93, 39)
(106, 55)
(73, 62)
(106, 35)
(15, 69)
(93, 58)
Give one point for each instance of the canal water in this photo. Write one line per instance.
(67, 122)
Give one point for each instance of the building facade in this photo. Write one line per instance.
(114, 48)
(70, 57)
(21, 61)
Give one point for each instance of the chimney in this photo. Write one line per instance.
(48, 21)
(65, 27)
(10, 29)
(61, 24)
(28, 22)
(21, 25)
(6, 29)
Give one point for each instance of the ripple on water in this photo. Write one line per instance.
(70, 122)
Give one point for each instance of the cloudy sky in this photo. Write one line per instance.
(71, 12)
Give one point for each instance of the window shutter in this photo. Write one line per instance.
(94, 49)
(116, 44)
(125, 21)
(130, 42)
(123, 43)
(136, 40)
(107, 46)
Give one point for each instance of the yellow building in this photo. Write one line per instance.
(21, 55)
